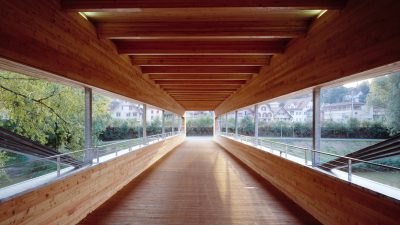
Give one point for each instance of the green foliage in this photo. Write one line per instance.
(48, 113)
(154, 127)
(42, 111)
(201, 126)
(246, 126)
(385, 93)
(352, 129)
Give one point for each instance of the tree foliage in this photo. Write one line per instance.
(385, 93)
(46, 112)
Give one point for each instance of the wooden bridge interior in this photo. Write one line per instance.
(201, 54)
(217, 55)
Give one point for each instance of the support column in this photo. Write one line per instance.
(256, 120)
(180, 123)
(173, 122)
(214, 124)
(236, 124)
(316, 125)
(163, 122)
(226, 123)
(144, 123)
(184, 124)
(88, 158)
(220, 124)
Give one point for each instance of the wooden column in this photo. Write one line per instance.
(144, 123)
(236, 123)
(88, 126)
(316, 125)
(256, 120)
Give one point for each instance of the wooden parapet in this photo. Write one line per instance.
(69, 200)
(329, 199)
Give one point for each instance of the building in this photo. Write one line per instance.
(120, 109)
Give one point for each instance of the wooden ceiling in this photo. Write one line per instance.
(201, 52)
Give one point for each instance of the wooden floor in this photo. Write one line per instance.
(199, 183)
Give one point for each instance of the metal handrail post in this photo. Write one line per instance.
(58, 166)
(349, 170)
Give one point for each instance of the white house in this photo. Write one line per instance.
(120, 109)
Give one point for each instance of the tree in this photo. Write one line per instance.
(385, 93)
(49, 113)
(334, 95)
(246, 125)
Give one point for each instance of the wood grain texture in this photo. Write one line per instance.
(65, 44)
(363, 36)
(204, 60)
(198, 30)
(103, 5)
(330, 200)
(70, 199)
(199, 183)
(201, 47)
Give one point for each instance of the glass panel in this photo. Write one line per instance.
(45, 112)
(360, 114)
(287, 120)
(168, 121)
(231, 122)
(246, 121)
(154, 123)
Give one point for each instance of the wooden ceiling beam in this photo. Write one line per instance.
(129, 5)
(221, 29)
(204, 60)
(199, 92)
(201, 47)
(339, 45)
(37, 36)
(200, 69)
(201, 76)
(200, 82)
(205, 87)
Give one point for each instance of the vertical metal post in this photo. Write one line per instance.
(184, 124)
(144, 123)
(214, 123)
(220, 124)
(179, 124)
(226, 124)
(305, 157)
(173, 123)
(58, 166)
(316, 126)
(97, 155)
(163, 123)
(349, 170)
(236, 124)
(256, 123)
(286, 148)
(88, 126)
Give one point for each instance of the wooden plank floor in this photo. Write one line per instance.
(199, 183)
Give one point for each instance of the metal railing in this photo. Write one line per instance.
(314, 159)
(54, 166)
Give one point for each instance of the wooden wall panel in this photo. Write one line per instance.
(70, 199)
(330, 200)
(363, 36)
(41, 35)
